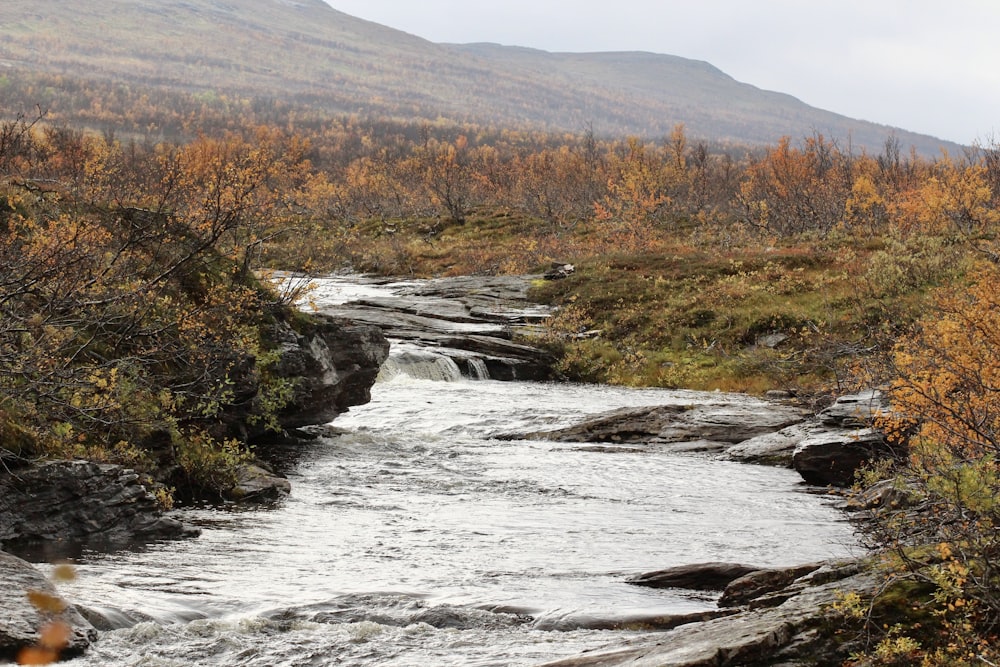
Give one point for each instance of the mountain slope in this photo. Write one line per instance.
(304, 50)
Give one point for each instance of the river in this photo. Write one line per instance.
(414, 537)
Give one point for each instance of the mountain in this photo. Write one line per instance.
(305, 51)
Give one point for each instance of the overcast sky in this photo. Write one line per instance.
(930, 66)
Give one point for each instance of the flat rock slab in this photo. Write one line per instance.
(728, 423)
(467, 318)
(753, 585)
(787, 633)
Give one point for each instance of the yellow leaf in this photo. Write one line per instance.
(46, 602)
(36, 656)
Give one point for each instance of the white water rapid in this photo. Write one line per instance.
(412, 537)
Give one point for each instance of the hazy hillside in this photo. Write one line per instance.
(305, 50)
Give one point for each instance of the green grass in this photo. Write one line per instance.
(687, 315)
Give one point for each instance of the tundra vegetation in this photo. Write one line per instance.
(133, 235)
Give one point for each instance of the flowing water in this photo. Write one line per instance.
(414, 537)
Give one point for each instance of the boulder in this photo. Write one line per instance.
(855, 410)
(80, 502)
(696, 577)
(256, 483)
(887, 494)
(832, 458)
(778, 448)
(559, 271)
(772, 340)
(23, 618)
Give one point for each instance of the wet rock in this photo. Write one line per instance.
(832, 458)
(105, 619)
(695, 447)
(629, 622)
(759, 582)
(610, 449)
(80, 502)
(256, 483)
(695, 577)
(505, 360)
(627, 425)
(21, 622)
(394, 611)
(720, 422)
(465, 618)
(790, 632)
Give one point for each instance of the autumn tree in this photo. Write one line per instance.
(446, 173)
(792, 190)
(558, 185)
(946, 402)
(636, 199)
(954, 198)
(129, 311)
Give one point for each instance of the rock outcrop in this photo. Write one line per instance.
(723, 422)
(29, 602)
(831, 459)
(758, 583)
(333, 362)
(789, 625)
(79, 502)
(777, 448)
(470, 320)
(855, 410)
(826, 449)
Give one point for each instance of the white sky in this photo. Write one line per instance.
(930, 66)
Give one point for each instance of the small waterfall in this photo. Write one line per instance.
(478, 369)
(420, 365)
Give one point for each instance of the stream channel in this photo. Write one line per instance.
(414, 537)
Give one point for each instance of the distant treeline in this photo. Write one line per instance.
(391, 171)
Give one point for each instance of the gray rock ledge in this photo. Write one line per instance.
(66, 502)
(784, 627)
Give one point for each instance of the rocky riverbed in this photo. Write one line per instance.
(471, 321)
